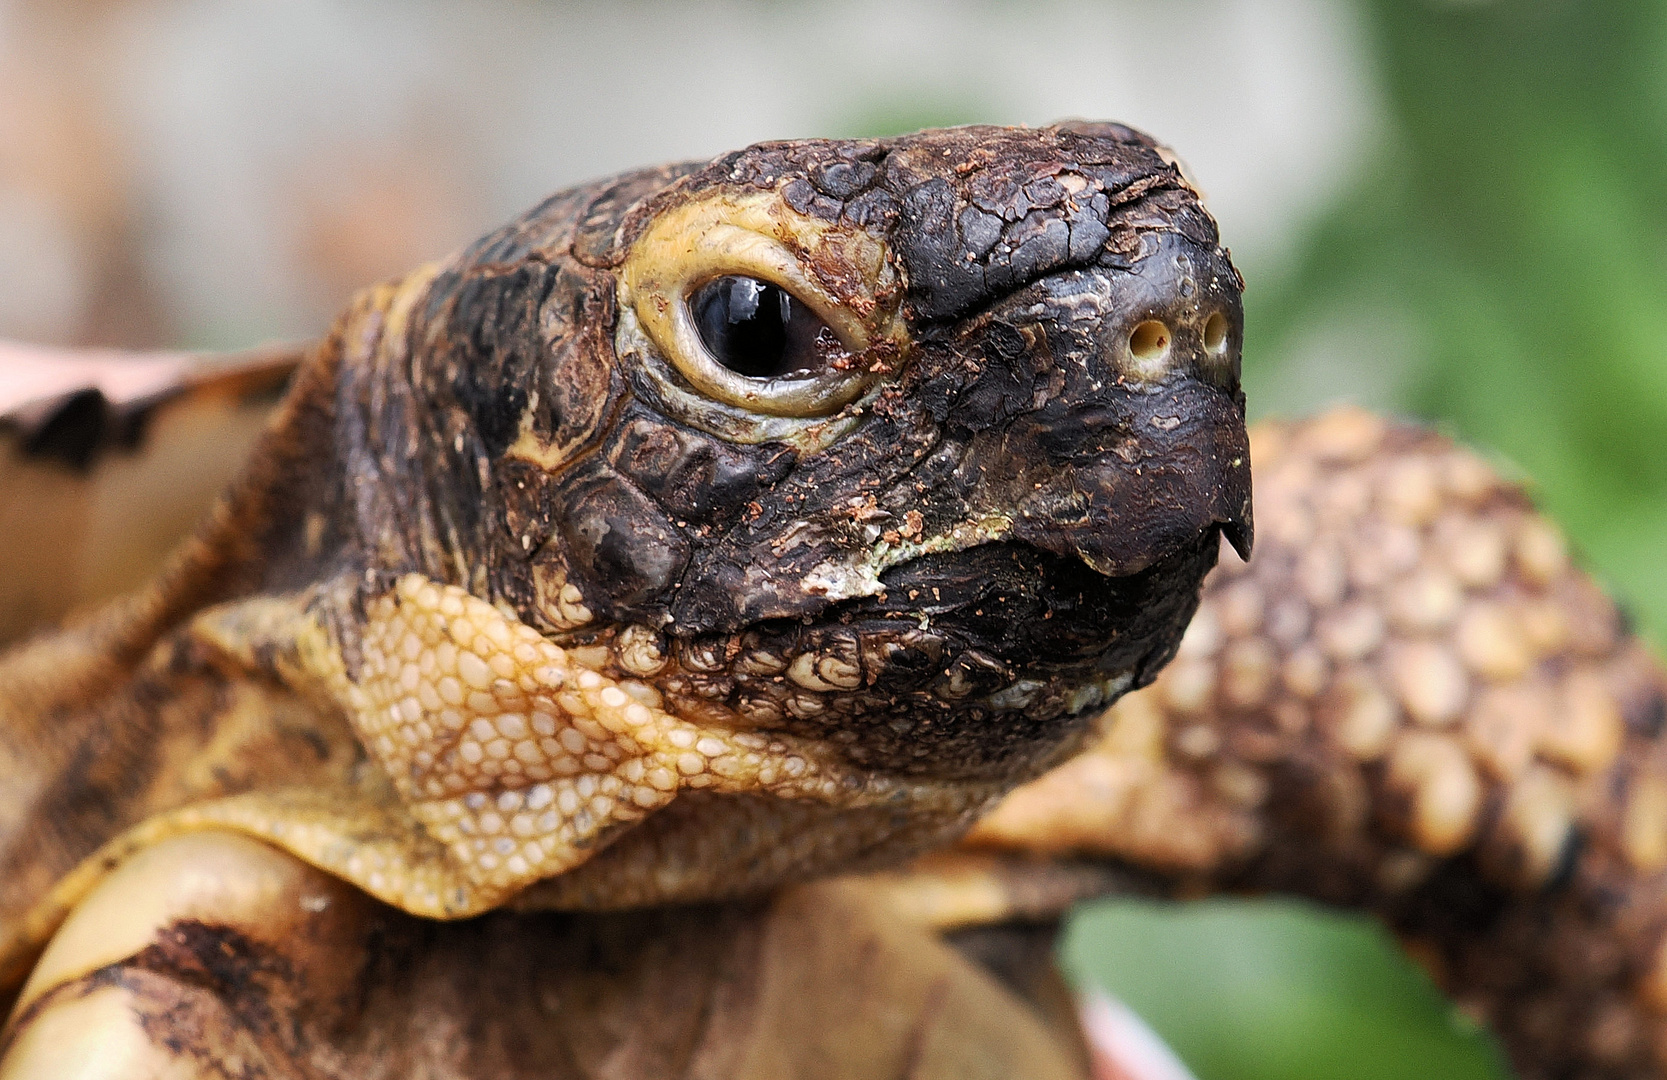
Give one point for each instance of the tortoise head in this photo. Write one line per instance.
(907, 454)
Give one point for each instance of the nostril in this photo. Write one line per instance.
(1215, 334)
(1149, 340)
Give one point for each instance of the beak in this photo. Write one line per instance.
(1134, 479)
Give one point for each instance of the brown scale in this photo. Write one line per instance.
(1410, 701)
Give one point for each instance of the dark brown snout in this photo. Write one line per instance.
(1151, 472)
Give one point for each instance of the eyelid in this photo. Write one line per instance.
(728, 250)
(750, 237)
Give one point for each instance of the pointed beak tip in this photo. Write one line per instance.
(1241, 533)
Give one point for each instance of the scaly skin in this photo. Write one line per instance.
(523, 596)
(518, 608)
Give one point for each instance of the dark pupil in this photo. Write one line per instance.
(754, 328)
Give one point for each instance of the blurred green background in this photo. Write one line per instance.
(1456, 210)
(1275, 988)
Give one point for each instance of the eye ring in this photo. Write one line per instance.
(693, 246)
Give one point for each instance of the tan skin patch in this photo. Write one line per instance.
(505, 759)
(519, 759)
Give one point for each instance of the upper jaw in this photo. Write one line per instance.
(1028, 423)
(1177, 465)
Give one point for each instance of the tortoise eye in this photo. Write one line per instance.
(761, 331)
(751, 306)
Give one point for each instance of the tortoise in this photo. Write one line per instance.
(686, 633)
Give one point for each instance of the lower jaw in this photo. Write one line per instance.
(1004, 655)
(910, 758)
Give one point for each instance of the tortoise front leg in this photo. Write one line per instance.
(1409, 702)
(198, 957)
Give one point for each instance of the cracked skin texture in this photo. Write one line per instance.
(524, 614)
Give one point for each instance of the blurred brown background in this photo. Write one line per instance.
(212, 173)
